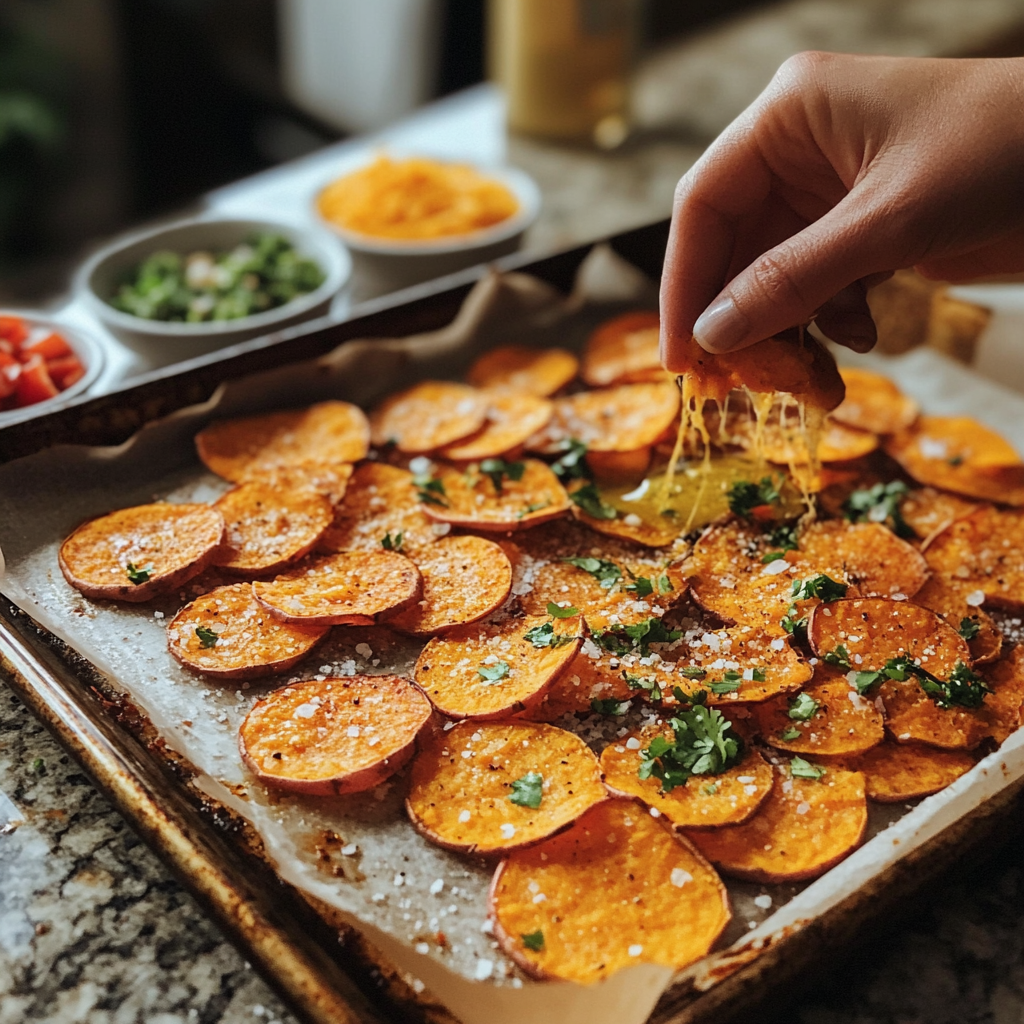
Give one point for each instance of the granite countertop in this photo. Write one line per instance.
(92, 927)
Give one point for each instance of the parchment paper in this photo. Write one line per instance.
(372, 866)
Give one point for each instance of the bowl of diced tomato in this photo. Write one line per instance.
(42, 364)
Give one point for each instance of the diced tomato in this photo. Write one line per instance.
(34, 383)
(10, 371)
(53, 346)
(8, 347)
(13, 328)
(65, 371)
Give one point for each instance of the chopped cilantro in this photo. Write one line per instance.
(955, 460)
(772, 556)
(783, 537)
(757, 675)
(38, 766)
(744, 497)
(839, 656)
(557, 612)
(533, 940)
(821, 586)
(389, 543)
(795, 627)
(702, 746)
(641, 586)
(709, 788)
(606, 573)
(534, 506)
(791, 733)
(693, 672)
(801, 769)
(648, 683)
(879, 504)
(589, 499)
(609, 706)
(664, 584)
(207, 637)
(964, 688)
(571, 465)
(528, 791)
(729, 683)
(544, 635)
(802, 707)
(428, 488)
(493, 673)
(639, 636)
(498, 469)
(137, 576)
(969, 628)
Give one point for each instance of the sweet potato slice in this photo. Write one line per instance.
(874, 403)
(895, 772)
(473, 500)
(798, 366)
(874, 559)
(532, 371)
(838, 722)
(493, 671)
(983, 554)
(704, 801)
(475, 788)
(618, 889)
(1003, 708)
(511, 419)
(333, 736)
(253, 447)
(380, 502)
(958, 454)
(136, 553)
(268, 528)
(949, 598)
(586, 679)
(624, 350)
(786, 443)
(352, 588)
(464, 580)
(913, 717)
(226, 634)
(619, 419)
(803, 828)
(928, 512)
(728, 576)
(741, 665)
(327, 478)
(872, 631)
(636, 594)
(428, 416)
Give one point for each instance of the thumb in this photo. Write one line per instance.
(788, 284)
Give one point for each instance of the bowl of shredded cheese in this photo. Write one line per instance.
(410, 219)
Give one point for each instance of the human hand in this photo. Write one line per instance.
(842, 171)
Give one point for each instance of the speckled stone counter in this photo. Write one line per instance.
(93, 929)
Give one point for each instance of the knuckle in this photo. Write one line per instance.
(774, 282)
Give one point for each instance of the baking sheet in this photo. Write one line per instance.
(385, 886)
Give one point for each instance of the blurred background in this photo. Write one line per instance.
(114, 112)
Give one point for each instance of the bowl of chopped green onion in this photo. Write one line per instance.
(194, 286)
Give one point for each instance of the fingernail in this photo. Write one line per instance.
(721, 327)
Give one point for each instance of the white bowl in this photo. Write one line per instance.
(387, 264)
(163, 342)
(88, 350)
